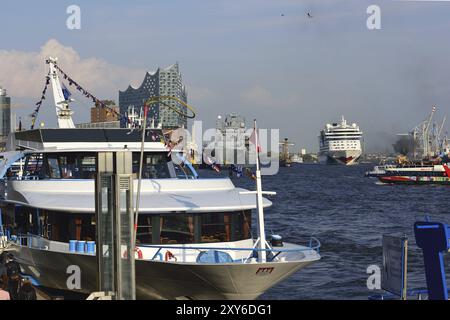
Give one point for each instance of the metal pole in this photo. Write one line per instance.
(405, 268)
(141, 160)
(259, 202)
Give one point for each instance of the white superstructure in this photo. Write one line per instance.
(340, 143)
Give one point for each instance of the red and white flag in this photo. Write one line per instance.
(252, 139)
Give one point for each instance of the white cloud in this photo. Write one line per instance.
(197, 93)
(23, 73)
(257, 95)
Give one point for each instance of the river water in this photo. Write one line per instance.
(348, 213)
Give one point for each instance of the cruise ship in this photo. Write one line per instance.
(340, 143)
(194, 237)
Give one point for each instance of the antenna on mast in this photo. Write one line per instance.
(63, 112)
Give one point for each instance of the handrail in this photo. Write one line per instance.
(43, 242)
(314, 244)
(315, 247)
(229, 249)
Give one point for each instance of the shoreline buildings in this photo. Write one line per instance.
(102, 117)
(162, 82)
(5, 118)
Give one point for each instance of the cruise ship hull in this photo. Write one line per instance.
(348, 157)
(159, 279)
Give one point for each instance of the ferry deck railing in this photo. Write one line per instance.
(38, 242)
(274, 252)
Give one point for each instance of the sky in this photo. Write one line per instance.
(262, 59)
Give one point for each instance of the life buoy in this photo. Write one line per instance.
(136, 250)
(169, 255)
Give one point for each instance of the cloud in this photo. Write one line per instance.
(257, 95)
(197, 93)
(23, 73)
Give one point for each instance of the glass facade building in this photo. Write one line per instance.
(5, 118)
(163, 82)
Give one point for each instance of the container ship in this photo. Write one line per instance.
(340, 143)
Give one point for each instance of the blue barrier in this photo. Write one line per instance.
(434, 239)
(72, 245)
(81, 246)
(90, 247)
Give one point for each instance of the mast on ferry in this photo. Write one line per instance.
(63, 112)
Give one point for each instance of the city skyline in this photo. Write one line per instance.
(263, 60)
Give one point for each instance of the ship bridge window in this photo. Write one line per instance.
(33, 166)
(53, 167)
(77, 166)
(183, 228)
(155, 165)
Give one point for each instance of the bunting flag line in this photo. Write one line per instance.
(236, 170)
(86, 93)
(250, 173)
(212, 164)
(123, 118)
(172, 144)
(39, 103)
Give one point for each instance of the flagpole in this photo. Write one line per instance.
(141, 163)
(259, 202)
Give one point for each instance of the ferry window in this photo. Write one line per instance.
(219, 227)
(216, 227)
(68, 166)
(144, 232)
(15, 171)
(155, 165)
(88, 169)
(64, 226)
(177, 228)
(53, 167)
(33, 165)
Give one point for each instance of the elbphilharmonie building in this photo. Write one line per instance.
(162, 82)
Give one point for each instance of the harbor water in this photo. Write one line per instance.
(348, 213)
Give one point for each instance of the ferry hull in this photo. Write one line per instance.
(412, 180)
(161, 280)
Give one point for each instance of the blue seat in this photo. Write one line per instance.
(214, 256)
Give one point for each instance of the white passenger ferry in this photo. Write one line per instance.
(194, 236)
